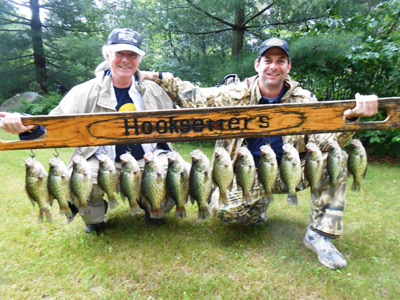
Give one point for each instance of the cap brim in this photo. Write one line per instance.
(126, 47)
(262, 51)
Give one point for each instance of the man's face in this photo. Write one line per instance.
(123, 64)
(273, 68)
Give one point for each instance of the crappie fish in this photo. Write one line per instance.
(81, 183)
(357, 163)
(314, 166)
(222, 173)
(200, 182)
(107, 178)
(153, 185)
(129, 180)
(334, 162)
(59, 185)
(245, 171)
(36, 187)
(177, 182)
(291, 171)
(268, 169)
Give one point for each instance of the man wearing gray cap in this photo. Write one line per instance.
(116, 87)
(272, 84)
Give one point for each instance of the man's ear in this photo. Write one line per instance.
(256, 64)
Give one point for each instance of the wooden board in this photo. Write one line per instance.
(200, 124)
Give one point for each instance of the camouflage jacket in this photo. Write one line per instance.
(187, 95)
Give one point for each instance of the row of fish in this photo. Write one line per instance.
(290, 170)
(178, 184)
(156, 186)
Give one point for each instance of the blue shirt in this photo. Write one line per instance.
(276, 142)
(136, 150)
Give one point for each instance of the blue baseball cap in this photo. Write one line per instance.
(121, 39)
(274, 42)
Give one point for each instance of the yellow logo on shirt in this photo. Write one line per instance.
(127, 107)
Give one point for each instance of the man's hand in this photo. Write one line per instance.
(12, 123)
(148, 75)
(366, 106)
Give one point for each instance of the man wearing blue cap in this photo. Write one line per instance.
(272, 84)
(117, 87)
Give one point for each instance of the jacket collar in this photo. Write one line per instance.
(107, 96)
(252, 83)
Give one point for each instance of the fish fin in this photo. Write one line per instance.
(203, 213)
(75, 201)
(292, 199)
(356, 187)
(32, 201)
(74, 211)
(157, 213)
(365, 173)
(209, 197)
(123, 197)
(230, 185)
(180, 212)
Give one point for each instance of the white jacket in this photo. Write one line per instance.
(97, 96)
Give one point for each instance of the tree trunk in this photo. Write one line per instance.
(42, 77)
(238, 30)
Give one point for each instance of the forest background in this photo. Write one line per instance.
(338, 48)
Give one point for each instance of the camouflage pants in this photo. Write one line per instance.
(327, 202)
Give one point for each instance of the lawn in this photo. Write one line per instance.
(188, 259)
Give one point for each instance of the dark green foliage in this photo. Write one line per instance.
(42, 105)
(382, 142)
(338, 48)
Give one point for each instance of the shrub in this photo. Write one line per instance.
(43, 105)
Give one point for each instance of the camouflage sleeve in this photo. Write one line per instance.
(187, 95)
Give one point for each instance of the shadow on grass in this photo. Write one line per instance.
(277, 230)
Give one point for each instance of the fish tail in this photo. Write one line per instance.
(113, 201)
(313, 194)
(223, 198)
(84, 210)
(356, 187)
(41, 218)
(203, 213)
(269, 197)
(292, 199)
(135, 211)
(134, 208)
(47, 213)
(180, 212)
(156, 213)
(51, 200)
(246, 198)
(65, 211)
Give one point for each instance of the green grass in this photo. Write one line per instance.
(188, 259)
